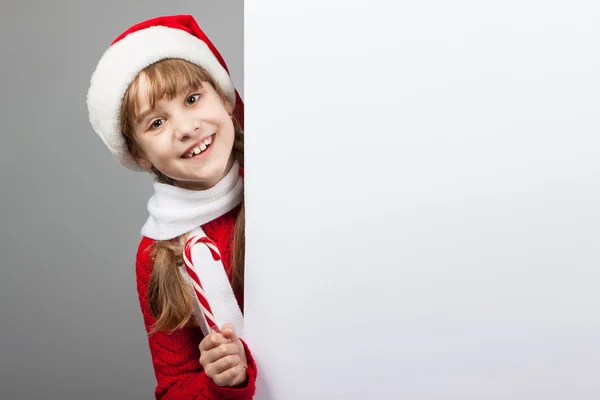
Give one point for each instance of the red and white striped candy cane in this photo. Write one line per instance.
(187, 259)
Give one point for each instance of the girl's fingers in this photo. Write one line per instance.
(222, 365)
(216, 353)
(213, 340)
(228, 330)
(231, 377)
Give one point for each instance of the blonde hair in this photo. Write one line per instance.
(169, 297)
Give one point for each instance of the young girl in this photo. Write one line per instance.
(162, 101)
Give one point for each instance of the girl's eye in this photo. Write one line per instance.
(156, 124)
(192, 99)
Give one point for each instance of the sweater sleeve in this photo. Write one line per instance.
(176, 356)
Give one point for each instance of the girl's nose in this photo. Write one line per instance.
(186, 128)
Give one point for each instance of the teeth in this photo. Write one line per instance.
(195, 150)
(199, 149)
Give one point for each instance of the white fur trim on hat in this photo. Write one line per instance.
(120, 65)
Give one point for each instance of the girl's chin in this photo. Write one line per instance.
(201, 182)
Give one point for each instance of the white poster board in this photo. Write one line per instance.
(423, 199)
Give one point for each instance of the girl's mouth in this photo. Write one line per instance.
(200, 149)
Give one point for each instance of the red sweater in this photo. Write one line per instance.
(176, 357)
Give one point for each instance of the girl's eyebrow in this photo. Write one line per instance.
(143, 116)
(188, 89)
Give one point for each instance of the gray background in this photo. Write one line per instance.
(70, 325)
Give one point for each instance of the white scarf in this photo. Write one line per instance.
(175, 211)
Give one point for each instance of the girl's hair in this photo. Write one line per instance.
(169, 296)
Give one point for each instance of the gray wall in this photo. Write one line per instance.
(70, 325)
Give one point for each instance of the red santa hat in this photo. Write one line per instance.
(143, 44)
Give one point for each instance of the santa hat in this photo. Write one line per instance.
(143, 44)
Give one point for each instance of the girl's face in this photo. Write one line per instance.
(188, 138)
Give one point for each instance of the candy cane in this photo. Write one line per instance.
(187, 258)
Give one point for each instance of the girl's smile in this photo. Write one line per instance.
(199, 149)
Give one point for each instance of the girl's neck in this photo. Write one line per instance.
(174, 211)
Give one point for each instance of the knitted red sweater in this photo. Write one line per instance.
(176, 357)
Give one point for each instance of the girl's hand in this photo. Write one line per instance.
(223, 357)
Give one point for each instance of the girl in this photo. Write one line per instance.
(162, 101)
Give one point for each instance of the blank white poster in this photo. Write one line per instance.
(423, 199)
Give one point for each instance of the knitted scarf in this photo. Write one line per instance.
(174, 211)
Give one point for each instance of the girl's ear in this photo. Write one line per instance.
(143, 163)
